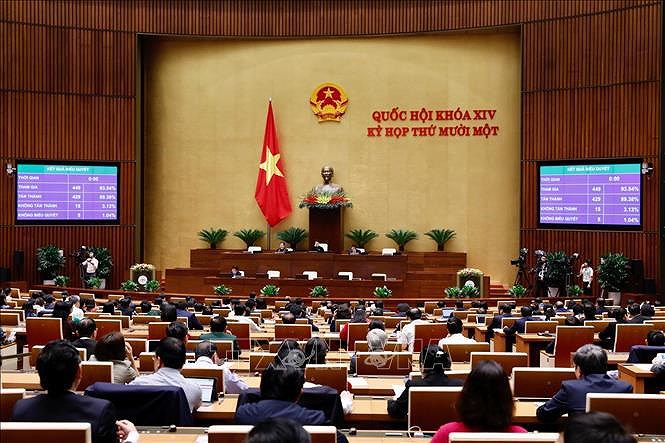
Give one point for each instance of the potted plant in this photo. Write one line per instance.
(453, 292)
(152, 286)
(103, 256)
(94, 282)
(222, 290)
(213, 236)
(382, 292)
(401, 237)
(361, 237)
(129, 285)
(50, 260)
(574, 291)
(469, 291)
(517, 291)
(613, 275)
(270, 290)
(318, 291)
(555, 273)
(292, 236)
(142, 273)
(249, 236)
(441, 237)
(61, 280)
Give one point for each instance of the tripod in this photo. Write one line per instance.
(522, 278)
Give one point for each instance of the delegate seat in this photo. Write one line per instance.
(428, 333)
(295, 332)
(461, 352)
(37, 349)
(105, 326)
(41, 330)
(238, 433)
(628, 335)
(568, 339)
(383, 363)
(539, 382)
(21, 432)
(94, 371)
(8, 398)
(190, 370)
(422, 412)
(138, 345)
(355, 332)
(241, 331)
(10, 318)
(531, 327)
(641, 413)
(157, 330)
(330, 374)
(259, 361)
(507, 360)
(598, 325)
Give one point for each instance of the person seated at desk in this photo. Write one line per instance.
(317, 247)
(239, 314)
(408, 335)
(207, 357)
(596, 427)
(402, 309)
(591, 371)
(170, 357)
(146, 309)
(645, 313)
(316, 351)
(353, 250)
(359, 316)
(59, 374)
(433, 362)
(506, 312)
(520, 323)
(342, 312)
(87, 332)
(455, 335)
(298, 312)
(376, 342)
(608, 335)
(29, 309)
(192, 321)
(112, 347)
(168, 312)
(61, 310)
(282, 249)
(218, 332)
(560, 307)
(235, 272)
(126, 307)
(278, 430)
(484, 405)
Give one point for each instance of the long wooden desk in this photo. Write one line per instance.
(636, 375)
(190, 435)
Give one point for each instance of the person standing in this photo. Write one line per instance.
(90, 266)
(586, 272)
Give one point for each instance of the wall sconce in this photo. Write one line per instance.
(647, 169)
(10, 169)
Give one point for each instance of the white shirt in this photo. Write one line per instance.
(408, 333)
(172, 377)
(587, 274)
(253, 327)
(455, 338)
(233, 384)
(77, 313)
(91, 265)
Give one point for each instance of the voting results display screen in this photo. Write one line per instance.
(590, 195)
(66, 193)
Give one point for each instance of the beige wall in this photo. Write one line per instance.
(206, 103)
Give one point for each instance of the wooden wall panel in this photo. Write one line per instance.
(68, 127)
(36, 58)
(591, 82)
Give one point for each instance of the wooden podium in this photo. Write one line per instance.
(327, 226)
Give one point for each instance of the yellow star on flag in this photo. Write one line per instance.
(328, 92)
(270, 165)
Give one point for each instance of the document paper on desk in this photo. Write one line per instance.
(398, 390)
(202, 439)
(357, 382)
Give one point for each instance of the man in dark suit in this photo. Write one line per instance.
(506, 311)
(59, 372)
(192, 321)
(520, 323)
(590, 369)
(87, 332)
(646, 312)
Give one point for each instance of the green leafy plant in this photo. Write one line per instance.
(103, 256)
(222, 290)
(270, 290)
(249, 236)
(361, 237)
(401, 237)
(151, 286)
(468, 291)
(94, 282)
(129, 285)
(517, 291)
(574, 291)
(213, 236)
(441, 237)
(469, 273)
(382, 292)
(453, 292)
(292, 236)
(557, 264)
(50, 260)
(613, 272)
(61, 280)
(318, 291)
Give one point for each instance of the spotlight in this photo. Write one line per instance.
(10, 169)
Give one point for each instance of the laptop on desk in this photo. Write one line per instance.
(208, 389)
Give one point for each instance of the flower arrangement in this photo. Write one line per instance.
(94, 282)
(517, 291)
(452, 292)
(468, 291)
(270, 290)
(318, 291)
(142, 267)
(574, 291)
(222, 290)
(129, 285)
(152, 286)
(61, 280)
(470, 272)
(325, 200)
(382, 292)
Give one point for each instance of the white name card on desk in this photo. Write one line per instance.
(357, 382)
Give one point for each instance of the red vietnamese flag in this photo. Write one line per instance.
(271, 193)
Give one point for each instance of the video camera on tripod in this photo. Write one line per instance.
(520, 261)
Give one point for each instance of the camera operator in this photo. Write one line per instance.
(541, 271)
(586, 272)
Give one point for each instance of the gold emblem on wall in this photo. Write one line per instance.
(329, 102)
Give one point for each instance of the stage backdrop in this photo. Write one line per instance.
(206, 103)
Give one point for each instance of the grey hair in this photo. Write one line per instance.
(376, 340)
